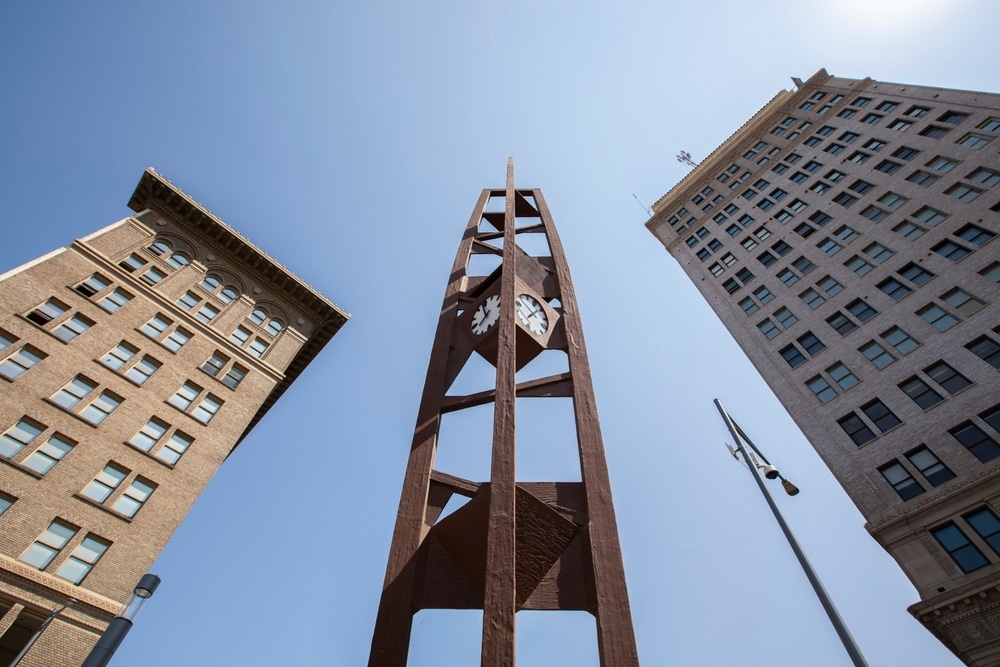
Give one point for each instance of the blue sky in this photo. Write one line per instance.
(351, 141)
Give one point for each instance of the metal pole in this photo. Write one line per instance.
(109, 642)
(38, 633)
(831, 610)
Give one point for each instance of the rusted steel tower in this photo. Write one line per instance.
(513, 545)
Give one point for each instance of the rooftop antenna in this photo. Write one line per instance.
(685, 157)
(644, 208)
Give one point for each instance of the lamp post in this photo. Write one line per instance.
(771, 472)
(122, 623)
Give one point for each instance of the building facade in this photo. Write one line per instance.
(132, 362)
(846, 237)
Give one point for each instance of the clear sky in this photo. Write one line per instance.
(351, 141)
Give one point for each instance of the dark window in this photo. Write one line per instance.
(992, 417)
(820, 218)
(901, 481)
(958, 546)
(781, 248)
(974, 234)
(848, 137)
(798, 177)
(930, 466)
(881, 415)
(976, 441)
(731, 285)
(744, 275)
(792, 355)
(951, 380)
(703, 254)
(986, 349)
(888, 166)
(766, 258)
(915, 274)
(862, 186)
(906, 153)
(922, 178)
(804, 230)
(934, 132)
(861, 310)
(803, 265)
(811, 343)
(921, 393)
(895, 289)
(845, 199)
(953, 117)
(841, 323)
(951, 250)
(874, 213)
(856, 429)
(987, 526)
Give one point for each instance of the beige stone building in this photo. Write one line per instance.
(132, 362)
(846, 237)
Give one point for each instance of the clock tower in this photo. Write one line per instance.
(513, 545)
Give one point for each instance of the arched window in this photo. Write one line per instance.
(160, 248)
(274, 327)
(178, 259)
(258, 316)
(228, 294)
(210, 283)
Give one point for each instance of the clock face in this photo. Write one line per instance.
(486, 315)
(532, 315)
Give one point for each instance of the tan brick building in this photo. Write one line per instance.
(133, 362)
(846, 237)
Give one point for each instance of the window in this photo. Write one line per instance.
(258, 347)
(963, 192)
(150, 434)
(74, 392)
(143, 369)
(105, 483)
(934, 131)
(893, 200)
(153, 276)
(49, 544)
(813, 141)
(962, 551)
(895, 289)
(762, 233)
(921, 393)
(770, 330)
(234, 376)
(900, 125)
(858, 265)
(858, 157)
(953, 117)
(45, 457)
(901, 481)
(856, 429)
(846, 113)
(846, 234)
(841, 323)
(821, 389)
(132, 263)
(976, 441)
(819, 187)
(842, 375)
(976, 235)
(876, 354)
(881, 416)
(749, 244)
(114, 300)
(845, 199)
(159, 329)
(188, 301)
(48, 311)
(992, 272)
(874, 118)
(214, 365)
(991, 125)
(811, 343)
(941, 320)
(778, 194)
(780, 168)
(878, 252)
(242, 335)
(874, 213)
(734, 230)
(19, 436)
(829, 246)
(812, 166)
(887, 106)
(763, 294)
(788, 277)
(930, 215)
(908, 230)
(745, 220)
(848, 137)
(905, 153)
(5, 502)
(101, 407)
(749, 194)
(187, 397)
(134, 497)
(72, 327)
(792, 355)
(930, 466)
(18, 363)
(798, 177)
(119, 356)
(986, 349)
(785, 317)
(950, 380)
(744, 275)
(987, 177)
(207, 313)
(888, 166)
(783, 216)
(175, 259)
(951, 250)
(986, 525)
(812, 298)
(922, 178)
(942, 164)
(962, 301)
(875, 144)
(805, 230)
(803, 265)
(830, 286)
(900, 340)
(992, 417)
(834, 149)
(92, 285)
(861, 310)
(703, 254)
(975, 141)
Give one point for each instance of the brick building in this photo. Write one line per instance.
(132, 363)
(846, 237)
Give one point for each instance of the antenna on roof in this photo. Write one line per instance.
(685, 157)
(644, 208)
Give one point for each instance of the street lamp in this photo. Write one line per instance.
(120, 625)
(772, 473)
